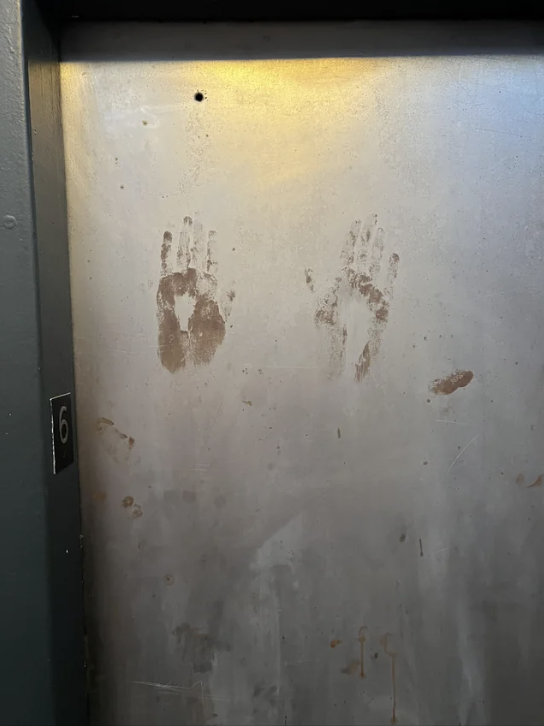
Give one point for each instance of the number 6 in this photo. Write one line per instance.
(63, 425)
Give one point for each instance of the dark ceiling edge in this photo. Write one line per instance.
(217, 10)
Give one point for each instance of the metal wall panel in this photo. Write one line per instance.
(309, 356)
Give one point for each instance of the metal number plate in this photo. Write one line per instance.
(62, 432)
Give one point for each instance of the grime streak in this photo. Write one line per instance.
(362, 640)
(393, 656)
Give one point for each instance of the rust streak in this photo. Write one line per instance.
(362, 640)
(393, 656)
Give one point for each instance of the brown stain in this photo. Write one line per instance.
(248, 403)
(536, 483)
(205, 330)
(362, 640)
(169, 579)
(110, 436)
(335, 642)
(520, 479)
(128, 502)
(363, 256)
(99, 496)
(188, 497)
(420, 548)
(447, 386)
(393, 656)
(351, 668)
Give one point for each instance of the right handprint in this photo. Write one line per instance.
(357, 281)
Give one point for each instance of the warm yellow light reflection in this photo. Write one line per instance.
(278, 119)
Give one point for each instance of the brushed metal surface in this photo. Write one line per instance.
(309, 353)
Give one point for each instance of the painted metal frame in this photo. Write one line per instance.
(41, 604)
(219, 10)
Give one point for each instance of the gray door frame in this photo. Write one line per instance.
(41, 603)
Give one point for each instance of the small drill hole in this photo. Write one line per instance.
(199, 96)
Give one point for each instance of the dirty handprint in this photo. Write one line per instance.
(357, 281)
(188, 273)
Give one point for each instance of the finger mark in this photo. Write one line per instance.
(363, 364)
(226, 303)
(211, 249)
(392, 270)
(197, 247)
(366, 232)
(369, 227)
(185, 242)
(377, 253)
(165, 250)
(355, 231)
(349, 247)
